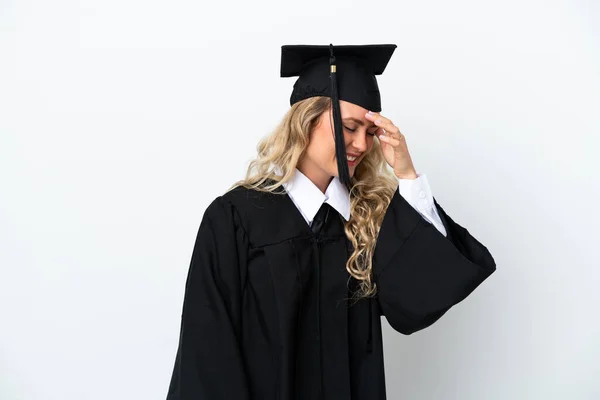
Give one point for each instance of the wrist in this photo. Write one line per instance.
(407, 175)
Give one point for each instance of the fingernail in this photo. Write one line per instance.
(370, 112)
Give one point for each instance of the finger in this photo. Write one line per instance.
(396, 136)
(380, 131)
(372, 115)
(384, 123)
(390, 140)
(377, 117)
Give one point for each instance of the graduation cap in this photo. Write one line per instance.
(344, 72)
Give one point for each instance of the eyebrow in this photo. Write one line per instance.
(358, 121)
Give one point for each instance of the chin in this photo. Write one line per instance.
(351, 171)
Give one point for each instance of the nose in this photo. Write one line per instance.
(360, 142)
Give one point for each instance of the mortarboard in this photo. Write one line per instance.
(344, 72)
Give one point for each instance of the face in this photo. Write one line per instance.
(319, 162)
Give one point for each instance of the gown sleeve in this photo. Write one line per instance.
(209, 363)
(421, 273)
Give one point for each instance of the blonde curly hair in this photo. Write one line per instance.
(372, 186)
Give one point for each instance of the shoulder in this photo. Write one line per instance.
(267, 217)
(248, 202)
(240, 207)
(239, 196)
(225, 209)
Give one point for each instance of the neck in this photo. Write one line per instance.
(318, 176)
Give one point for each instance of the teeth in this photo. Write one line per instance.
(350, 158)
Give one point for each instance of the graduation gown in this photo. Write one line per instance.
(266, 311)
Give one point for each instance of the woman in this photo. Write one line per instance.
(294, 266)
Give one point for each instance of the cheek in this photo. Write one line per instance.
(321, 147)
(347, 138)
(370, 140)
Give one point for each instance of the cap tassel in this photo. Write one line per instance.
(340, 145)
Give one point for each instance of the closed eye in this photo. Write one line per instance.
(354, 130)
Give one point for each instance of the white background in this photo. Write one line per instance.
(121, 120)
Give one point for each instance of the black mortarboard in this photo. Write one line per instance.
(341, 72)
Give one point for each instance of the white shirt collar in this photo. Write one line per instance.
(308, 198)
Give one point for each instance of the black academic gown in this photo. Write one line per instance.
(266, 313)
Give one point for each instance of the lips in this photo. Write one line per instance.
(352, 159)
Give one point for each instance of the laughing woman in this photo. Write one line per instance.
(331, 229)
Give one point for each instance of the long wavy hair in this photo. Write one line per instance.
(371, 190)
